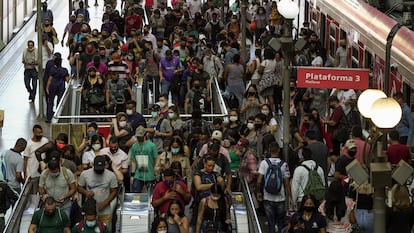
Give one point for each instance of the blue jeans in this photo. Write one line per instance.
(138, 185)
(165, 87)
(30, 77)
(275, 213)
(365, 220)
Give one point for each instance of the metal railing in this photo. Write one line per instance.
(253, 220)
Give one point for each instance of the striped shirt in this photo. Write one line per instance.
(120, 68)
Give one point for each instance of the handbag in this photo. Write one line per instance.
(96, 98)
(55, 40)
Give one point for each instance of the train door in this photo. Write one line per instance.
(332, 39)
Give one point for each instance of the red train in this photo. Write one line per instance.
(367, 30)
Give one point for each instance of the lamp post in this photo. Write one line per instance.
(39, 55)
(289, 10)
(385, 113)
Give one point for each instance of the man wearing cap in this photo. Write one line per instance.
(57, 182)
(216, 137)
(142, 159)
(158, 128)
(30, 61)
(101, 184)
(345, 159)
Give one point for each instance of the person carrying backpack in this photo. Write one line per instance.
(273, 187)
(196, 98)
(308, 178)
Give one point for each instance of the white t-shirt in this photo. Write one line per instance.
(32, 163)
(286, 174)
(317, 61)
(269, 66)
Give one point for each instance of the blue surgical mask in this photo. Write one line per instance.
(91, 223)
(91, 134)
(171, 115)
(154, 114)
(168, 183)
(175, 151)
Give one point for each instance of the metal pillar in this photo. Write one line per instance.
(243, 31)
(39, 59)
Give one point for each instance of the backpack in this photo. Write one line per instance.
(3, 167)
(232, 102)
(315, 184)
(273, 178)
(64, 171)
(100, 225)
(198, 101)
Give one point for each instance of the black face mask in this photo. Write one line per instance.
(257, 126)
(99, 171)
(197, 86)
(92, 75)
(351, 153)
(308, 208)
(233, 143)
(306, 124)
(113, 151)
(331, 107)
(49, 213)
(140, 139)
(114, 80)
(38, 137)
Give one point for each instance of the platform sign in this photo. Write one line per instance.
(320, 77)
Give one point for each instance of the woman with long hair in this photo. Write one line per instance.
(307, 219)
(400, 217)
(213, 210)
(92, 151)
(176, 220)
(252, 102)
(159, 225)
(338, 209)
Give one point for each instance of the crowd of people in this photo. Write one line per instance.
(176, 53)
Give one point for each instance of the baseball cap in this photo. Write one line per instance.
(124, 47)
(217, 134)
(243, 142)
(54, 162)
(57, 55)
(140, 131)
(99, 163)
(350, 144)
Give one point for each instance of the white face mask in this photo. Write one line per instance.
(171, 115)
(122, 123)
(215, 198)
(96, 147)
(250, 126)
(233, 118)
(91, 223)
(266, 112)
(163, 231)
(162, 104)
(129, 112)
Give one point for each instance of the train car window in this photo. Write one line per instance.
(355, 60)
(332, 39)
(343, 34)
(368, 59)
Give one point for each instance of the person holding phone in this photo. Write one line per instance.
(176, 220)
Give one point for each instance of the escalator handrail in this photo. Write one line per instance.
(18, 208)
(221, 101)
(249, 202)
(63, 100)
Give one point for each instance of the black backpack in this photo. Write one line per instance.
(198, 101)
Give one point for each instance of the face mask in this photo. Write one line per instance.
(39, 137)
(266, 112)
(96, 147)
(92, 75)
(343, 46)
(113, 151)
(331, 107)
(257, 126)
(168, 183)
(233, 143)
(130, 58)
(197, 86)
(122, 123)
(79, 20)
(73, 20)
(129, 112)
(89, 50)
(209, 170)
(234, 20)
(60, 146)
(308, 208)
(140, 139)
(154, 114)
(233, 118)
(91, 223)
(49, 213)
(171, 115)
(99, 171)
(54, 174)
(175, 150)
(106, 21)
(163, 231)
(215, 198)
(250, 126)
(162, 104)
(91, 134)
(351, 153)
(306, 124)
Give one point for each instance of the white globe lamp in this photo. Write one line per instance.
(288, 9)
(366, 99)
(386, 113)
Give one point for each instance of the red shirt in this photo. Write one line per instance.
(336, 116)
(160, 190)
(133, 22)
(398, 152)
